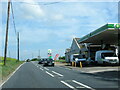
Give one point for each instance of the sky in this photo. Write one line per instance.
(52, 25)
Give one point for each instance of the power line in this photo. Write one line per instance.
(16, 33)
(13, 18)
(41, 3)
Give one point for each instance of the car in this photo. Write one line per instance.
(40, 61)
(48, 62)
(28, 60)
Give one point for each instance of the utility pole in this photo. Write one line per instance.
(18, 45)
(6, 38)
(39, 54)
(32, 55)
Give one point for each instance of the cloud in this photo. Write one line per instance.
(55, 25)
(58, 17)
(1, 40)
(29, 11)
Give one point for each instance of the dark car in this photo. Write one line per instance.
(48, 62)
(28, 60)
(40, 61)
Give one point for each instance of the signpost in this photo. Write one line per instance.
(50, 53)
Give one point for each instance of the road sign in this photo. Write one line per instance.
(117, 26)
(49, 51)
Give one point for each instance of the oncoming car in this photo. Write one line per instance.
(48, 62)
(41, 61)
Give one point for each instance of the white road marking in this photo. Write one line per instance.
(46, 68)
(68, 68)
(57, 73)
(41, 69)
(11, 75)
(83, 85)
(67, 84)
(40, 66)
(80, 87)
(49, 74)
(102, 70)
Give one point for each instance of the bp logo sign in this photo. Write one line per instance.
(49, 53)
(117, 26)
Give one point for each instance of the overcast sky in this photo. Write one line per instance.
(44, 25)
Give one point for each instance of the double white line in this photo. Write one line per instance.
(67, 84)
(57, 73)
(54, 73)
(81, 84)
(46, 68)
(50, 74)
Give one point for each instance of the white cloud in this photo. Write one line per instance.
(57, 23)
(58, 17)
(30, 11)
(1, 41)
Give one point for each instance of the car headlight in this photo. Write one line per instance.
(45, 61)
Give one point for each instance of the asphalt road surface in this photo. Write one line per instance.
(33, 75)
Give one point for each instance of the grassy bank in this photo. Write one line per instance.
(10, 66)
(62, 61)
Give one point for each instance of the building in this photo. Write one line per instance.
(104, 38)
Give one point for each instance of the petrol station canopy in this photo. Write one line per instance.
(107, 34)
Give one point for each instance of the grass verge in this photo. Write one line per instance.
(62, 61)
(10, 66)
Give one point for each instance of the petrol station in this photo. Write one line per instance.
(103, 38)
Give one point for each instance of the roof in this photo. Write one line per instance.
(67, 50)
(77, 39)
(107, 34)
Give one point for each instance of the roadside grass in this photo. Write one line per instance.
(8, 58)
(62, 61)
(10, 66)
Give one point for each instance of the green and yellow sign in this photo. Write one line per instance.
(114, 26)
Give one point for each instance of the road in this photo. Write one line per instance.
(33, 75)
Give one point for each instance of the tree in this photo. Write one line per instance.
(62, 57)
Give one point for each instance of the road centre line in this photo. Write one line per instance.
(57, 73)
(40, 65)
(46, 68)
(49, 74)
(67, 84)
(41, 69)
(83, 85)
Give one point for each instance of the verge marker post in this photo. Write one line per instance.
(75, 64)
(80, 64)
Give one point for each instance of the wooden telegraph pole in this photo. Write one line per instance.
(18, 45)
(6, 38)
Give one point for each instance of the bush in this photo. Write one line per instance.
(63, 58)
(34, 59)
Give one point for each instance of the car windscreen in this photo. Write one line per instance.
(108, 55)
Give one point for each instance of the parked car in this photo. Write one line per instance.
(106, 57)
(48, 62)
